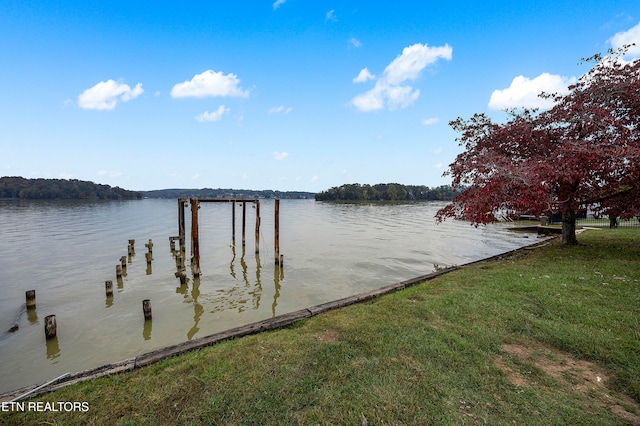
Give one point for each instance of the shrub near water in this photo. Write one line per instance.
(545, 336)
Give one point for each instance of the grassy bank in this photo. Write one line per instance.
(546, 336)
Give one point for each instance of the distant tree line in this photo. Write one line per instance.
(226, 193)
(48, 189)
(386, 192)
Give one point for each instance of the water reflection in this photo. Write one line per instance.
(53, 348)
(278, 275)
(333, 251)
(197, 308)
(146, 329)
(32, 316)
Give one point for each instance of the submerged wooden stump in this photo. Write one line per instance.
(146, 309)
(31, 299)
(108, 285)
(50, 327)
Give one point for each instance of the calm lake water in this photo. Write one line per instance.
(67, 250)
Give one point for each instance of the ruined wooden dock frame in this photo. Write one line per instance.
(195, 239)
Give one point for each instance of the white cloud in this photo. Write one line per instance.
(628, 37)
(210, 83)
(413, 60)
(314, 178)
(280, 110)
(369, 101)
(389, 89)
(107, 94)
(523, 92)
(355, 42)
(278, 3)
(430, 121)
(279, 156)
(331, 16)
(363, 76)
(213, 116)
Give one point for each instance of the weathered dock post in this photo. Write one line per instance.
(108, 286)
(282, 260)
(195, 239)
(132, 244)
(233, 222)
(31, 299)
(123, 262)
(181, 226)
(50, 327)
(172, 243)
(257, 226)
(276, 231)
(146, 309)
(149, 246)
(244, 221)
(182, 275)
(118, 271)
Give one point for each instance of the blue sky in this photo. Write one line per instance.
(287, 94)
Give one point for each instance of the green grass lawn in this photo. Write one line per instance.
(548, 336)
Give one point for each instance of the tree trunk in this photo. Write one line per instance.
(569, 228)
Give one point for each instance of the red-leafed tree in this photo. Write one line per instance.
(583, 152)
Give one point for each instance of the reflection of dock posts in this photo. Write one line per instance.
(244, 221)
(276, 231)
(257, 202)
(31, 299)
(195, 239)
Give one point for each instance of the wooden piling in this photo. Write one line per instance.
(195, 239)
(276, 232)
(233, 222)
(50, 327)
(123, 261)
(31, 299)
(149, 246)
(146, 309)
(282, 260)
(118, 271)
(257, 203)
(132, 243)
(108, 286)
(181, 274)
(181, 226)
(244, 221)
